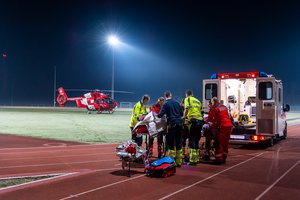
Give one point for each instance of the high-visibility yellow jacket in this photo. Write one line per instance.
(138, 110)
(194, 107)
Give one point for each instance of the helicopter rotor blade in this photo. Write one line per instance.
(86, 90)
(118, 91)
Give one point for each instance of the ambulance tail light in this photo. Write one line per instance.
(258, 138)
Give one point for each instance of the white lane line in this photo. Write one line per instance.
(281, 177)
(41, 180)
(59, 150)
(36, 175)
(74, 172)
(100, 188)
(51, 147)
(242, 155)
(62, 163)
(62, 175)
(66, 156)
(187, 187)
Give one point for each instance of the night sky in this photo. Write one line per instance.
(167, 45)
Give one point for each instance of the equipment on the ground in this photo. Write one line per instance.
(161, 168)
(130, 152)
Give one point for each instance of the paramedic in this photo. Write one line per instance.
(209, 132)
(185, 132)
(173, 111)
(193, 114)
(139, 110)
(223, 124)
(156, 109)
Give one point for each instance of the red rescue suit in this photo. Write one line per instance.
(220, 118)
(155, 108)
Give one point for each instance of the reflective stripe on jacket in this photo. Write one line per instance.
(138, 110)
(220, 116)
(194, 107)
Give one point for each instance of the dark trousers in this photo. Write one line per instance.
(160, 141)
(185, 135)
(138, 140)
(210, 134)
(195, 134)
(173, 137)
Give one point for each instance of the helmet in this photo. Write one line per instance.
(215, 100)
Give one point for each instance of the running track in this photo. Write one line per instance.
(94, 172)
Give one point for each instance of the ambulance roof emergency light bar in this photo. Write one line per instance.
(239, 75)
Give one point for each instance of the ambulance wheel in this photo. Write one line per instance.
(284, 132)
(270, 142)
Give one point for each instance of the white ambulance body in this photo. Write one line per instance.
(255, 102)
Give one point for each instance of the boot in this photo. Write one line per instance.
(197, 159)
(179, 157)
(206, 156)
(219, 159)
(193, 159)
(224, 157)
(172, 153)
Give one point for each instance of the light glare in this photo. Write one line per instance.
(113, 40)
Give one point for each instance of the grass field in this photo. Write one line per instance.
(68, 124)
(72, 124)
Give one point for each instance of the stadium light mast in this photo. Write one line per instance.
(54, 87)
(113, 41)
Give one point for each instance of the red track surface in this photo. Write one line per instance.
(250, 173)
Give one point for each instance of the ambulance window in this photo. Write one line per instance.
(265, 91)
(211, 90)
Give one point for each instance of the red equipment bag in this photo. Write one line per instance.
(162, 168)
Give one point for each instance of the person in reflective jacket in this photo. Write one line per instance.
(139, 110)
(193, 114)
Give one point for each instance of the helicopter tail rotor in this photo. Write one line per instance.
(62, 97)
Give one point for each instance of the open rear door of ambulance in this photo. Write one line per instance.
(211, 88)
(266, 108)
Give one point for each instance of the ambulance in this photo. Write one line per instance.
(255, 103)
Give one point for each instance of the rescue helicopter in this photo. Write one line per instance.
(92, 101)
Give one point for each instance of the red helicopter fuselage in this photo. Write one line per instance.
(92, 101)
